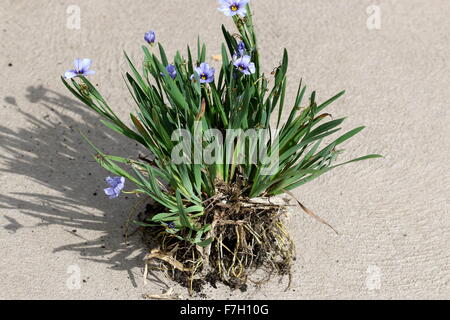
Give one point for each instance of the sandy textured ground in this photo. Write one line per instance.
(392, 214)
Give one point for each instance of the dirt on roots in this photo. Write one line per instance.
(248, 236)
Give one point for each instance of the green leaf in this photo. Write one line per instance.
(205, 243)
(184, 218)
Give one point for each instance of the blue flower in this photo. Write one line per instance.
(171, 225)
(81, 69)
(171, 70)
(233, 7)
(205, 73)
(244, 65)
(241, 49)
(116, 185)
(150, 37)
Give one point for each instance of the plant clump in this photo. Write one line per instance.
(219, 145)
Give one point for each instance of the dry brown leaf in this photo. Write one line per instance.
(169, 294)
(310, 212)
(217, 57)
(156, 254)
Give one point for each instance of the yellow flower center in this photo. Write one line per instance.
(204, 77)
(234, 8)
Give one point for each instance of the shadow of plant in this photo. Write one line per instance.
(51, 152)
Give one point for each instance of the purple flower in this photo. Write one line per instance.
(81, 69)
(171, 225)
(233, 7)
(171, 70)
(205, 73)
(117, 184)
(150, 37)
(244, 65)
(241, 49)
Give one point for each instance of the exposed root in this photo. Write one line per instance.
(248, 235)
(169, 294)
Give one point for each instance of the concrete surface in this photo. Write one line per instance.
(392, 214)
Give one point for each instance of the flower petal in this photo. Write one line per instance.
(211, 72)
(86, 73)
(121, 182)
(246, 60)
(78, 64)
(226, 2)
(110, 192)
(198, 70)
(242, 11)
(251, 67)
(85, 65)
(70, 74)
(227, 11)
(110, 181)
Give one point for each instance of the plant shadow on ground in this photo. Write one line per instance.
(51, 152)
